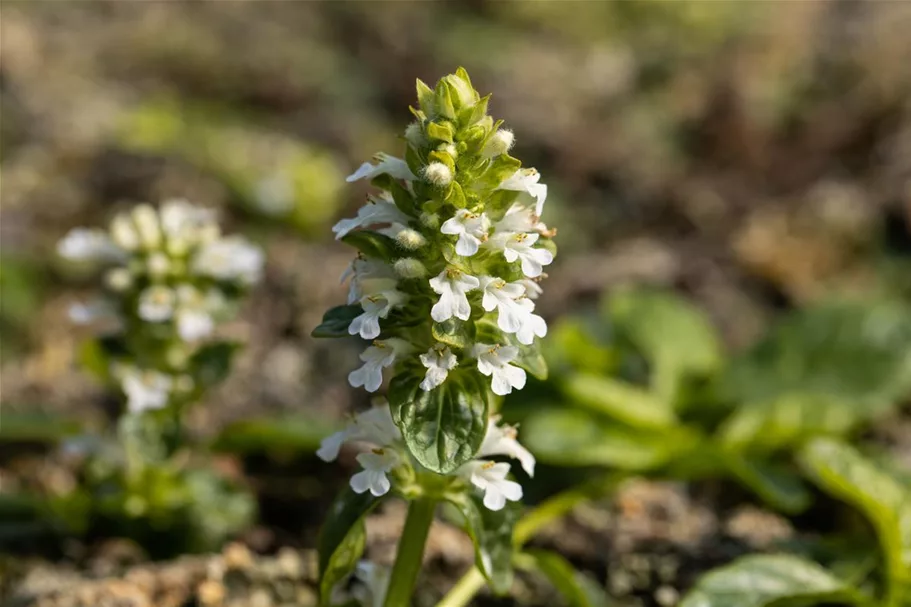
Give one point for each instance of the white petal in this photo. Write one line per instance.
(443, 308)
(467, 245)
(494, 499)
(331, 445)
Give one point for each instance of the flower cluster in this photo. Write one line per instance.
(451, 252)
(383, 452)
(169, 277)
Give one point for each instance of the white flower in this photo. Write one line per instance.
(145, 219)
(231, 259)
(532, 324)
(438, 174)
(373, 426)
(145, 390)
(376, 464)
(374, 581)
(375, 306)
(519, 246)
(520, 218)
(376, 211)
(452, 284)
(394, 167)
(439, 361)
(83, 244)
(118, 279)
(471, 228)
(533, 289)
(493, 361)
(182, 224)
(124, 233)
(501, 440)
(158, 264)
(490, 477)
(156, 304)
(194, 324)
(499, 294)
(377, 357)
(365, 275)
(526, 182)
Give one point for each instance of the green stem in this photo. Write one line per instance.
(546, 512)
(410, 552)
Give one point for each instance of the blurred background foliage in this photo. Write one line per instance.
(748, 163)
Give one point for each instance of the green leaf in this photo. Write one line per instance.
(847, 352)
(676, 338)
(212, 363)
(441, 131)
(443, 102)
(472, 115)
(619, 400)
(491, 533)
(401, 196)
(425, 97)
(779, 487)
(36, 427)
(96, 355)
(372, 244)
(453, 332)
(786, 421)
(301, 434)
(569, 582)
(500, 168)
(342, 539)
(443, 428)
(455, 195)
(840, 470)
(766, 580)
(336, 321)
(571, 437)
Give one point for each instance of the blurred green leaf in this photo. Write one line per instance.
(571, 437)
(212, 363)
(570, 583)
(294, 434)
(766, 580)
(573, 343)
(38, 427)
(673, 334)
(453, 332)
(492, 535)
(342, 539)
(859, 354)
(777, 486)
(844, 473)
(622, 401)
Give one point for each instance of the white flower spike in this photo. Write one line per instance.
(493, 361)
(386, 164)
(451, 285)
(471, 228)
(439, 361)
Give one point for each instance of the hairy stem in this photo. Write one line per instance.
(411, 549)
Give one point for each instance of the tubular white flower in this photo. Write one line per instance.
(375, 306)
(533, 289)
(438, 361)
(493, 361)
(377, 357)
(451, 284)
(376, 211)
(519, 247)
(438, 174)
(525, 181)
(145, 390)
(374, 426)
(194, 324)
(376, 463)
(532, 324)
(501, 440)
(520, 218)
(386, 164)
(471, 228)
(499, 294)
(156, 304)
(83, 244)
(230, 259)
(490, 477)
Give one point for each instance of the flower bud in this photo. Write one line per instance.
(410, 239)
(146, 221)
(118, 279)
(414, 135)
(430, 220)
(123, 233)
(499, 143)
(408, 267)
(438, 174)
(158, 264)
(448, 148)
